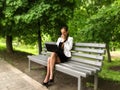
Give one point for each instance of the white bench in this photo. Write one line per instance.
(86, 60)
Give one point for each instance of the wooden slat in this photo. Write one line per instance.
(87, 61)
(70, 71)
(90, 50)
(40, 59)
(96, 45)
(81, 67)
(84, 65)
(76, 68)
(97, 57)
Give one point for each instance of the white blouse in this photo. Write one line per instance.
(67, 45)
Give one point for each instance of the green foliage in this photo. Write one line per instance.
(23, 18)
(77, 23)
(9, 8)
(101, 26)
(57, 15)
(33, 14)
(83, 11)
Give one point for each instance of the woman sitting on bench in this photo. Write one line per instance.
(65, 43)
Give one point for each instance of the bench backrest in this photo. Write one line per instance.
(88, 53)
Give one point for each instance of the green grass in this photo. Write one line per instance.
(24, 48)
(27, 48)
(2, 46)
(108, 73)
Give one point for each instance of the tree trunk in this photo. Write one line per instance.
(108, 52)
(9, 44)
(39, 40)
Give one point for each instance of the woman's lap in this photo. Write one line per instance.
(60, 57)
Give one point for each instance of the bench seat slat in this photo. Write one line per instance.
(42, 62)
(76, 68)
(40, 59)
(38, 56)
(82, 67)
(70, 71)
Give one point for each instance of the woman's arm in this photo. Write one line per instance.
(68, 44)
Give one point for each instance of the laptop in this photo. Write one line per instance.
(52, 47)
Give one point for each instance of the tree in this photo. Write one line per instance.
(102, 26)
(26, 19)
(84, 10)
(50, 15)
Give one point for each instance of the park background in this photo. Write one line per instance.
(25, 25)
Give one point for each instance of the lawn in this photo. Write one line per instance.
(108, 70)
(24, 48)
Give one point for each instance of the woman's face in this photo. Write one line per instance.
(64, 32)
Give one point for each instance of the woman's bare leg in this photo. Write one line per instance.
(54, 59)
(50, 66)
(48, 71)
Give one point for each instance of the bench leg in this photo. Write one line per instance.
(79, 83)
(29, 65)
(95, 81)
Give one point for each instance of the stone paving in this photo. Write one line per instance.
(13, 79)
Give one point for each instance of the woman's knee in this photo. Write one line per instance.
(53, 54)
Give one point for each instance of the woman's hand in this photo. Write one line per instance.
(63, 37)
(62, 46)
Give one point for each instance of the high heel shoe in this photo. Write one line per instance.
(45, 84)
(51, 81)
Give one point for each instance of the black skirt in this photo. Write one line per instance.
(60, 53)
(62, 56)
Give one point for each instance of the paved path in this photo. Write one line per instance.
(13, 79)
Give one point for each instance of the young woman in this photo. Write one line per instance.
(65, 43)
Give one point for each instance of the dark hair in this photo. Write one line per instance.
(65, 27)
